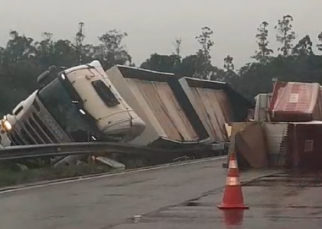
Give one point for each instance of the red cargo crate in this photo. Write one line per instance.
(296, 102)
(304, 145)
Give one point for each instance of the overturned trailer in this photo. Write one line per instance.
(217, 104)
(160, 101)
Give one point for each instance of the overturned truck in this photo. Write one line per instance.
(125, 104)
(78, 104)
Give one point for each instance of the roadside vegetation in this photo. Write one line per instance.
(16, 176)
(22, 59)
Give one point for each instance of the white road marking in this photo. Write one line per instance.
(112, 174)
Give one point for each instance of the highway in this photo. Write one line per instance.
(111, 201)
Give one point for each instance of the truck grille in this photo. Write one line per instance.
(31, 130)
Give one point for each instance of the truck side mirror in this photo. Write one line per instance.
(46, 76)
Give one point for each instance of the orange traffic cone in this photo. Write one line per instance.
(233, 196)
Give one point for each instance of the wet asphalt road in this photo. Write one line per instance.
(161, 196)
(279, 201)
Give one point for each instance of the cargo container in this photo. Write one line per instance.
(261, 108)
(295, 101)
(249, 143)
(275, 138)
(304, 145)
(216, 104)
(160, 101)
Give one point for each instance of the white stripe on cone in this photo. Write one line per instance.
(231, 181)
(233, 164)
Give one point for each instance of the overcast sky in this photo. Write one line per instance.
(153, 25)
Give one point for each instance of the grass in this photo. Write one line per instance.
(10, 177)
(11, 174)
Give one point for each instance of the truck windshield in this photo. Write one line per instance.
(59, 104)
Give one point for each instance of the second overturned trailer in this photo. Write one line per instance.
(216, 104)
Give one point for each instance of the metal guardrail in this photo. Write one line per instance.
(87, 148)
(75, 148)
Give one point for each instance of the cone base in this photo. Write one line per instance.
(232, 206)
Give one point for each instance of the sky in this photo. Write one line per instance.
(153, 25)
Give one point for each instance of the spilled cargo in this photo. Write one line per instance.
(296, 102)
(291, 129)
(304, 146)
(261, 107)
(276, 140)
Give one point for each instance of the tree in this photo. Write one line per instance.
(320, 39)
(205, 40)
(191, 66)
(162, 63)
(203, 54)
(79, 41)
(285, 35)
(303, 47)
(23, 59)
(228, 63)
(111, 51)
(45, 50)
(62, 52)
(229, 73)
(197, 65)
(18, 47)
(177, 46)
(262, 55)
(18, 70)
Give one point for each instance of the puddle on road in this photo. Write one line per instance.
(198, 204)
(265, 201)
(289, 180)
(192, 204)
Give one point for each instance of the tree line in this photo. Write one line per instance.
(23, 59)
(291, 62)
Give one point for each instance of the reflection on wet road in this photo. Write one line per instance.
(283, 200)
